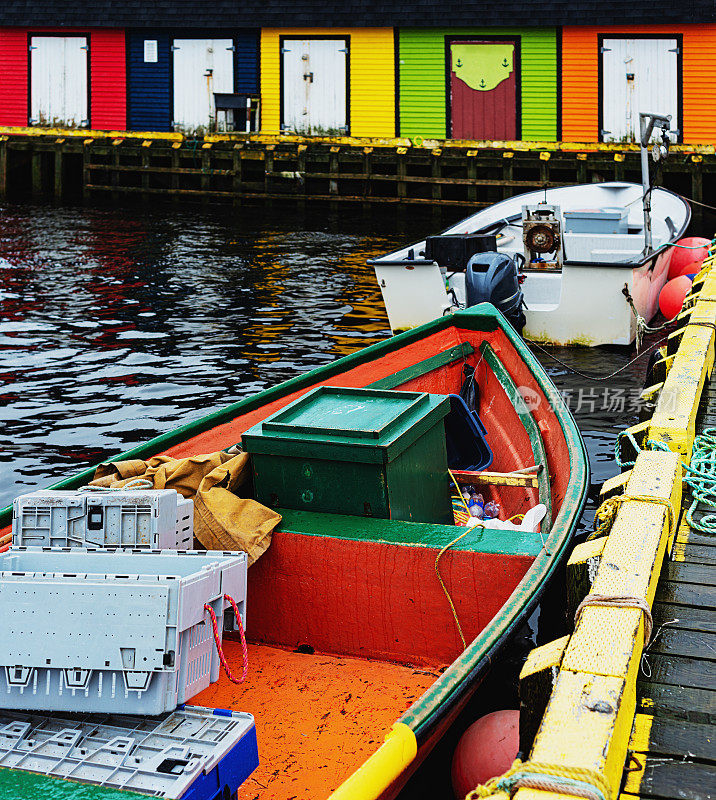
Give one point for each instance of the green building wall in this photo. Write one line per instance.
(421, 67)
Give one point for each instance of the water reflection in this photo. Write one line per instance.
(116, 325)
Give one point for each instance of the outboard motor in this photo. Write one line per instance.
(493, 278)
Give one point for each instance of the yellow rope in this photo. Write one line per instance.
(574, 781)
(619, 601)
(439, 556)
(607, 511)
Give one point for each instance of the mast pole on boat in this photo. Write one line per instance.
(647, 123)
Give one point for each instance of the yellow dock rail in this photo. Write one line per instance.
(582, 744)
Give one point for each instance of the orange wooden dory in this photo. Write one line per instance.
(351, 638)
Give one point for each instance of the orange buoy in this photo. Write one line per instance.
(672, 296)
(681, 256)
(692, 268)
(486, 749)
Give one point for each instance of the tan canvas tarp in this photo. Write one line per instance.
(222, 519)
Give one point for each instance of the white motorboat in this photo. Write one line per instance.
(585, 253)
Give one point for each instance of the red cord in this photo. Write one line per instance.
(219, 648)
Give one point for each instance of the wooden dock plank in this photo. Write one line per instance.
(681, 572)
(687, 594)
(684, 617)
(691, 644)
(661, 736)
(682, 702)
(669, 779)
(680, 670)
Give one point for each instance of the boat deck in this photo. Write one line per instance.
(308, 707)
(627, 716)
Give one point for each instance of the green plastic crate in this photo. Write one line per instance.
(364, 452)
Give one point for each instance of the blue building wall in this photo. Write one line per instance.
(149, 85)
(149, 95)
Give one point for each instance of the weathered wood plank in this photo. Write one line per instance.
(680, 670)
(692, 644)
(682, 702)
(687, 594)
(680, 572)
(684, 617)
(664, 778)
(664, 736)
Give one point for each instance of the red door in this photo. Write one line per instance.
(483, 89)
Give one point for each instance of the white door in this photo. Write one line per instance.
(638, 75)
(58, 81)
(201, 67)
(314, 86)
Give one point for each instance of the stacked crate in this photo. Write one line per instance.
(108, 610)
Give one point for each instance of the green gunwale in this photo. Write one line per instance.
(447, 690)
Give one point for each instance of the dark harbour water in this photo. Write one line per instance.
(119, 324)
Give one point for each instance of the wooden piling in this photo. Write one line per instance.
(3, 168)
(364, 171)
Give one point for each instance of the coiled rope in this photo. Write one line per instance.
(574, 781)
(700, 477)
(606, 513)
(619, 601)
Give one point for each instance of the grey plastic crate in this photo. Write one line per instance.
(193, 752)
(121, 631)
(154, 518)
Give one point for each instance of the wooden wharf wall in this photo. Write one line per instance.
(637, 718)
(401, 171)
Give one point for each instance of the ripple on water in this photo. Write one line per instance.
(119, 324)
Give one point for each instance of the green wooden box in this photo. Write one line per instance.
(364, 452)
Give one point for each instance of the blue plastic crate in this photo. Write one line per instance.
(193, 753)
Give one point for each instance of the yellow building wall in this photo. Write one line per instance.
(372, 78)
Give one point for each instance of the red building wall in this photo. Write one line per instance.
(108, 83)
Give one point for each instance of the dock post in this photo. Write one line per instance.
(508, 172)
(402, 171)
(697, 189)
(86, 169)
(237, 178)
(3, 167)
(36, 173)
(472, 176)
(59, 162)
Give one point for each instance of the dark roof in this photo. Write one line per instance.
(350, 13)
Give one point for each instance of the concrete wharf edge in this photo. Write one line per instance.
(645, 721)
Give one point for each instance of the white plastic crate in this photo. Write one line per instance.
(197, 753)
(160, 519)
(121, 631)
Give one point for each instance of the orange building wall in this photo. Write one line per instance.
(580, 89)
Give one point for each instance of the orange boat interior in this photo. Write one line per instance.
(347, 621)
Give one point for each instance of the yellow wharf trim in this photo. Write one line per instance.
(89, 134)
(590, 713)
(373, 777)
(674, 420)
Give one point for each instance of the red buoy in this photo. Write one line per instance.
(681, 256)
(692, 268)
(672, 296)
(486, 749)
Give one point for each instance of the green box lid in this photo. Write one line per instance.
(373, 424)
